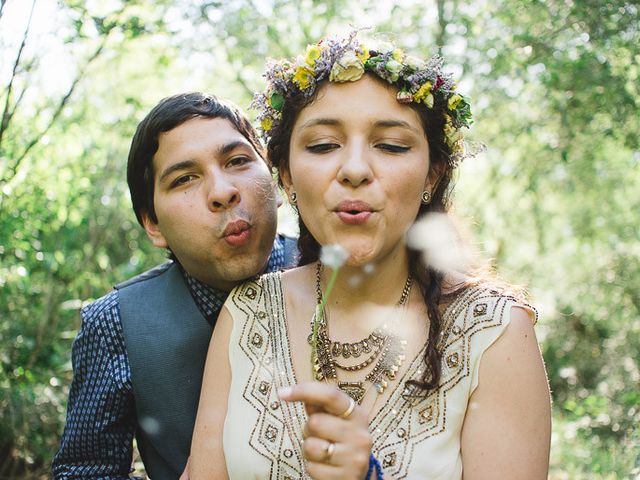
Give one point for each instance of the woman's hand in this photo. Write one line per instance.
(337, 442)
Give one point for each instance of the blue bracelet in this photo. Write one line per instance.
(374, 463)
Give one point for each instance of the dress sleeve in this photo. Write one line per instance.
(97, 439)
(500, 309)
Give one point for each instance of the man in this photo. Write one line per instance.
(201, 189)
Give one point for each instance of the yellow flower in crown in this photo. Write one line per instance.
(424, 95)
(348, 68)
(312, 54)
(453, 101)
(397, 55)
(458, 147)
(452, 134)
(364, 56)
(266, 124)
(303, 77)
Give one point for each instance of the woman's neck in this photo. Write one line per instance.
(378, 284)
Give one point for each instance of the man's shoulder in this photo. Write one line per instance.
(107, 307)
(151, 274)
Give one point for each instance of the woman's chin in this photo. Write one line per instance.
(361, 257)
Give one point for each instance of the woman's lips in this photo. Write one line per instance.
(354, 218)
(354, 212)
(237, 233)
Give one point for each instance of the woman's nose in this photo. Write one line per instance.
(355, 169)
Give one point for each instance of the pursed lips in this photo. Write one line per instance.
(237, 232)
(354, 212)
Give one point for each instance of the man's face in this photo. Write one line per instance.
(215, 202)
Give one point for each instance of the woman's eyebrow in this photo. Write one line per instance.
(395, 123)
(320, 121)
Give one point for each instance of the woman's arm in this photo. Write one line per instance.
(207, 456)
(507, 428)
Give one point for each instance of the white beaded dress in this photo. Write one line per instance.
(414, 436)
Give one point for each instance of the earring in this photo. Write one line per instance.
(293, 199)
(426, 197)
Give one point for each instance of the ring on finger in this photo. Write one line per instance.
(328, 451)
(347, 413)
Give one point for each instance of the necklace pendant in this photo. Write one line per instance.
(380, 386)
(354, 389)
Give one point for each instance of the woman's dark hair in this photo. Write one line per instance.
(429, 280)
(170, 113)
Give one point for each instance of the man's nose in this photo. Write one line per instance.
(355, 169)
(222, 192)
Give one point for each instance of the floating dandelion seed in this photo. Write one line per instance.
(333, 256)
(438, 240)
(369, 268)
(354, 281)
(150, 425)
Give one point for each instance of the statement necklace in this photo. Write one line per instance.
(382, 346)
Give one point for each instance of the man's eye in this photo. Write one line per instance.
(391, 148)
(237, 161)
(182, 180)
(322, 147)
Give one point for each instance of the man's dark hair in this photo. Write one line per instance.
(170, 113)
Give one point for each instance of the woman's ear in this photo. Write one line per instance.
(433, 177)
(287, 183)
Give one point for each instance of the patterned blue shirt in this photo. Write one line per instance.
(101, 418)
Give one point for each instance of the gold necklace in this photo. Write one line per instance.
(383, 344)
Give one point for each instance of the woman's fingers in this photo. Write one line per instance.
(323, 451)
(337, 441)
(326, 460)
(334, 429)
(320, 397)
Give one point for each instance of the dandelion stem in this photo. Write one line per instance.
(320, 317)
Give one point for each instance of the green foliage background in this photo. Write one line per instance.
(554, 200)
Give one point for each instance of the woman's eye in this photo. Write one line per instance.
(182, 180)
(322, 147)
(391, 148)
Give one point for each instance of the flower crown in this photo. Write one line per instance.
(346, 60)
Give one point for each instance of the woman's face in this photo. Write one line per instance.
(359, 162)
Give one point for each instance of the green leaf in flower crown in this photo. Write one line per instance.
(277, 101)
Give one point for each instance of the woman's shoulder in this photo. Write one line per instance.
(480, 300)
(478, 313)
(254, 290)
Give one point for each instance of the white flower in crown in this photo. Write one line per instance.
(333, 256)
(348, 68)
(415, 63)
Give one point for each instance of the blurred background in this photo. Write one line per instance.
(554, 201)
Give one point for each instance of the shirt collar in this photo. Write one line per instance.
(209, 300)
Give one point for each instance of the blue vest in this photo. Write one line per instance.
(167, 339)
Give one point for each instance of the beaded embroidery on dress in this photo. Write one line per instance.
(414, 436)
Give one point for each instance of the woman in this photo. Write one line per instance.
(385, 377)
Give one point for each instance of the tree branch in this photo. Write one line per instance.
(63, 102)
(4, 123)
(442, 24)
